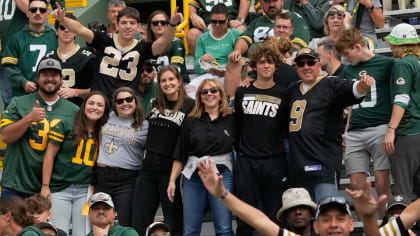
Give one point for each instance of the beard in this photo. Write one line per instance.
(49, 92)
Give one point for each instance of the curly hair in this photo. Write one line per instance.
(267, 50)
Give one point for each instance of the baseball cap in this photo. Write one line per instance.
(399, 199)
(294, 197)
(332, 201)
(309, 52)
(403, 34)
(101, 197)
(47, 225)
(157, 225)
(48, 63)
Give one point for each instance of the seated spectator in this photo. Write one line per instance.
(312, 12)
(14, 220)
(158, 229)
(213, 48)
(366, 16)
(395, 205)
(157, 25)
(297, 211)
(39, 207)
(102, 215)
(48, 228)
(200, 11)
(147, 90)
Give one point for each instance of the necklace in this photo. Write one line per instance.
(354, 9)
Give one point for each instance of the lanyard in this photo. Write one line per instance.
(354, 9)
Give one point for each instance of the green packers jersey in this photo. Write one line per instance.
(22, 54)
(262, 27)
(23, 162)
(204, 8)
(175, 56)
(405, 89)
(71, 166)
(376, 108)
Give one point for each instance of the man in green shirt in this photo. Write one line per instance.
(101, 216)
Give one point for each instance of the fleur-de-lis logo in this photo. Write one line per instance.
(110, 147)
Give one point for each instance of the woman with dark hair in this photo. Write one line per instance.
(121, 151)
(13, 218)
(166, 117)
(69, 163)
(157, 24)
(207, 133)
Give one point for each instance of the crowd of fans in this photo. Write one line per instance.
(284, 96)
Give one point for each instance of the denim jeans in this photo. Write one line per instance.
(196, 199)
(7, 192)
(67, 206)
(6, 87)
(323, 190)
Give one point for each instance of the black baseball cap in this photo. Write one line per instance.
(309, 52)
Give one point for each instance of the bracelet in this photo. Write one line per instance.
(389, 127)
(224, 195)
(173, 25)
(76, 92)
(240, 19)
(46, 185)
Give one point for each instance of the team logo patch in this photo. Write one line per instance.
(362, 73)
(400, 81)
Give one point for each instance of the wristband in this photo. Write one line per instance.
(46, 185)
(76, 92)
(389, 127)
(371, 9)
(240, 19)
(224, 195)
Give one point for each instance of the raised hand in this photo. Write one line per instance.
(59, 12)
(29, 87)
(176, 18)
(37, 114)
(211, 180)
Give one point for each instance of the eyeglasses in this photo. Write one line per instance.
(220, 22)
(309, 63)
(61, 27)
(147, 69)
(333, 13)
(161, 234)
(212, 90)
(42, 10)
(161, 22)
(120, 101)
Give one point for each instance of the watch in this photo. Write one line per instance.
(371, 9)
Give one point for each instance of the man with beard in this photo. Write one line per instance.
(102, 215)
(25, 49)
(330, 59)
(25, 127)
(147, 90)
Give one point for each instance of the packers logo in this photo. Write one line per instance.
(362, 73)
(400, 81)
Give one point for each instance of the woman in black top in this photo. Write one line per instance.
(207, 133)
(165, 119)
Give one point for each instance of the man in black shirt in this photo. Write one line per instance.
(330, 59)
(261, 167)
(316, 108)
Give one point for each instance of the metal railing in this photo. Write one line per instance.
(182, 29)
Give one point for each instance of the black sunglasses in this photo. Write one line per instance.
(220, 22)
(35, 9)
(309, 63)
(333, 13)
(120, 101)
(61, 27)
(147, 69)
(161, 22)
(212, 90)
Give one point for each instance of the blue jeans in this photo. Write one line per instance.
(67, 206)
(6, 87)
(323, 190)
(7, 192)
(196, 198)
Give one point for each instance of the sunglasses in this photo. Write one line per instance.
(61, 27)
(120, 101)
(161, 22)
(333, 13)
(220, 22)
(251, 74)
(309, 63)
(35, 9)
(147, 69)
(212, 90)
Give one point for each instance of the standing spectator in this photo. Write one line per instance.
(25, 127)
(316, 115)
(121, 150)
(312, 12)
(200, 11)
(297, 211)
(26, 47)
(330, 59)
(261, 168)
(148, 89)
(368, 120)
(367, 15)
(102, 217)
(77, 64)
(120, 58)
(114, 8)
(207, 134)
(403, 131)
(157, 25)
(69, 163)
(167, 115)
